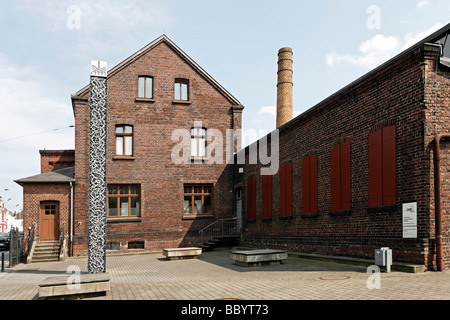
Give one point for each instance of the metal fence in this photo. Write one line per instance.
(15, 247)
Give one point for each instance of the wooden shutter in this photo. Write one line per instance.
(336, 178)
(251, 198)
(375, 169)
(306, 194)
(267, 196)
(313, 184)
(282, 190)
(389, 166)
(286, 190)
(345, 176)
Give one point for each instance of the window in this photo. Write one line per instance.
(340, 177)
(251, 198)
(50, 209)
(198, 199)
(382, 167)
(136, 245)
(266, 196)
(309, 184)
(181, 89)
(286, 190)
(145, 87)
(124, 140)
(123, 201)
(198, 143)
(112, 246)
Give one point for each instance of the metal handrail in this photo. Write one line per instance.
(61, 247)
(31, 238)
(219, 228)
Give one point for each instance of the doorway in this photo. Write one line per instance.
(49, 221)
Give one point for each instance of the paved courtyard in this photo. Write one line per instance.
(215, 277)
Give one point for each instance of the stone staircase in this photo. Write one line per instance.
(223, 241)
(46, 251)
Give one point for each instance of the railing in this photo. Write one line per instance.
(61, 247)
(219, 228)
(15, 247)
(31, 238)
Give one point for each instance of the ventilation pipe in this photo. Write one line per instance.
(284, 87)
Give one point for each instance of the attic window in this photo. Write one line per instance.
(181, 89)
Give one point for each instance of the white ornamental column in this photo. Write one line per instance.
(97, 167)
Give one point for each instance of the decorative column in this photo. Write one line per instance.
(97, 167)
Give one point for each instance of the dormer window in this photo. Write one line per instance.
(145, 90)
(181, 90)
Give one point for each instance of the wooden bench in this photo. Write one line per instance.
(182, 253)
(63, 286)
(258, 257)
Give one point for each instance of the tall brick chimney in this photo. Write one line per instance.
(284, 87)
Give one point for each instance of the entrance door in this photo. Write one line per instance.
(49, 221)
(239, 209)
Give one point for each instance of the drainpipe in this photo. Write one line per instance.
(71, 219)
(437, 200)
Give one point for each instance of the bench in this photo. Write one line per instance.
(63, 286)
(258, 257)
(182, 253)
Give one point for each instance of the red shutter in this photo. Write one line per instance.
(306, 194)
(254, 198)
(336, 178)
(288, 190)
(389, 166)
(345, 177)
(266, 196)
(282, 191)
(375, 170)
(251, 198)
(313, 184)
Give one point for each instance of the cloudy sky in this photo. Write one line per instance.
(46, 47)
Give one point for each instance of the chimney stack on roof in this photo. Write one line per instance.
(284, 87)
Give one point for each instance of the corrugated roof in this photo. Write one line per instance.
(65, 175)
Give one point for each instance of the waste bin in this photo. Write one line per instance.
(383, 258)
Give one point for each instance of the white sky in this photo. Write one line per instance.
(46, 48)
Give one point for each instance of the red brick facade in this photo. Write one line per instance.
(161, 222)
(52, 160)
(410, 97)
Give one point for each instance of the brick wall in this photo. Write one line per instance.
(34, 194)
(437, 115)
(391, 96)
(161, 223)
(52, 160)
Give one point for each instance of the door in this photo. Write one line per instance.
(239, 209)
(49, 221)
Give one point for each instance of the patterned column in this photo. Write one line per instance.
(97, 167)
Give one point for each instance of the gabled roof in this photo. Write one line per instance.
(65, 175)
(180, 52)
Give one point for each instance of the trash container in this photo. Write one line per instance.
(383, 258)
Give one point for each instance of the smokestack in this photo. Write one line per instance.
(284, 87)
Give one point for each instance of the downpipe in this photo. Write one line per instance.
(437, 200)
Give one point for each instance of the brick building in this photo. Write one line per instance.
(350, 163)
(152, 202)
(350, 168)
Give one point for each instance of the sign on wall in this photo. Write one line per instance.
(410, 220)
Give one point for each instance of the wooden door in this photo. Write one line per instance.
(49, 221)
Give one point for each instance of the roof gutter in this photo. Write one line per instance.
(437, 200)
